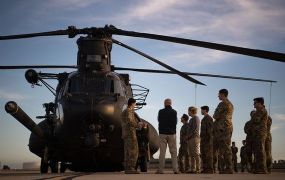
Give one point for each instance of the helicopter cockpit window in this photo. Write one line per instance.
(92, 85)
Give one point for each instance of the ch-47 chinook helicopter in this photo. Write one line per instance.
(82, 126)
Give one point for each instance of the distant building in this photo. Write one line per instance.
(31, 165)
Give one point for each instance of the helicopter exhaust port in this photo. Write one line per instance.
(12, 108)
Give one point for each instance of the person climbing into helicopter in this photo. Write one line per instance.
(143, 144)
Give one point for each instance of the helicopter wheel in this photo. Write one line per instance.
(54, 166)
(63, 167)
(44, 166)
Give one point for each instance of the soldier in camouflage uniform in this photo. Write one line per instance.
(243, 157)
(223, 131)
(268, 142)
(206, 145)
(129, 125)
(259, 121)
(234, 155)
(248, 129)
(183, 155)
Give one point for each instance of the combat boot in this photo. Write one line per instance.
(131, 171)
(207, 171)
(260, 172)
(227, 171)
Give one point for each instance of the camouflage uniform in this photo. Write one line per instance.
(206, 144)
(243, 157)
(259, 121)
(234, 157)
(223, 134)
(183, 155)
(248, 129)
(216, 155)
(129, 125)
(268, 142)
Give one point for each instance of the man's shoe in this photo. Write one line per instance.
(260, 172)
(207, 171)
(176, 172)
(191, 172)
(132, 172)
(159, 172)
(227, 171)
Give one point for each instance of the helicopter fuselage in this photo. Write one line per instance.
(86, 128)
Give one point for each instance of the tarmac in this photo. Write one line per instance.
(168, 175)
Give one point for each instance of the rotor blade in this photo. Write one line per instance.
(22, 36)
(276, 56)
(37, 67)
(72, 31)
(175, 71)
(193, 74)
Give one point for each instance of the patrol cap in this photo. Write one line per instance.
(185, 116)
(131, 101)
(259, 100)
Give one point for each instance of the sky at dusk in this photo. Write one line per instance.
(256, 24)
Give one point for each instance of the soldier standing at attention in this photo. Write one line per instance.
(234, 155)
(223, 130)
(183, 155)
(194, 140)
(268, 143)
(167, 121)
(243, 156)
(206, 145)
(248, 129)
(129, 125)
(259, 121)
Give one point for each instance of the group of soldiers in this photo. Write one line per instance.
(215, 140)
(256, 150)
(251, 146)
(212, 144)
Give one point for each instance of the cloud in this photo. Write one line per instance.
(195, 58)
(275, 127)
(279, 117)
(11, 96)
(71, 4)
(148, 9)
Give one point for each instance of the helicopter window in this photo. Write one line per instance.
(92, 85)
(118, 88)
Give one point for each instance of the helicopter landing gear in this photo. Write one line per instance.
(44, 166)
(44, 162)
(53, 166)
(63, 167)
